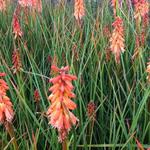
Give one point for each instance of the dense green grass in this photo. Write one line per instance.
(120, 91)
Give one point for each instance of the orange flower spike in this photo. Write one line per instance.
(141, 8)
(37, 5)
(145, 21)
(34, 4)
(6, 110)
(79, 10)
(2, 5)
(16, 61)
(25, 3)
(16, 27)
(59, 112)
(2, 74)
(117, 39)
(3, 85)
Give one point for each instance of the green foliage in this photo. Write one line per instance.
(120, 91)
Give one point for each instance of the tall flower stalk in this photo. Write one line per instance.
(117, 39)
(33, 4)
(16, 61)
(141, 10)
(2, 5)
(59, 113)
(6, 110)
(16, 25)
(79, 11)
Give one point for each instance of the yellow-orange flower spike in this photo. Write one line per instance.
(117, 39)
(33, 4)
(141, 8)
(59, 113)
(79, 10)
(2, 5)
(6, 107)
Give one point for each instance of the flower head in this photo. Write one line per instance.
(16, 26)
(33, 4)
(6, 110)
(145, 21)
(16, 61)
(117, 39)
(141, 8)
(2, 74)
(3, 85)
(25, 3)
(79, 9)
(2, 5)
(59, 114)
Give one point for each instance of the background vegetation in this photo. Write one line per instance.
(120, 91)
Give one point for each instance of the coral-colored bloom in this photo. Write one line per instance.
(141, 8)
(16, 61)
(143, 38)
(148, 71)
(2, 5)
(117, 39)
(145, 21)
(16, 27)
(59, 112)
(79, 9)
(37, 5)
(6, 110)
(34, 4)
(3, 87)
(25, 3)
(2, 74)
